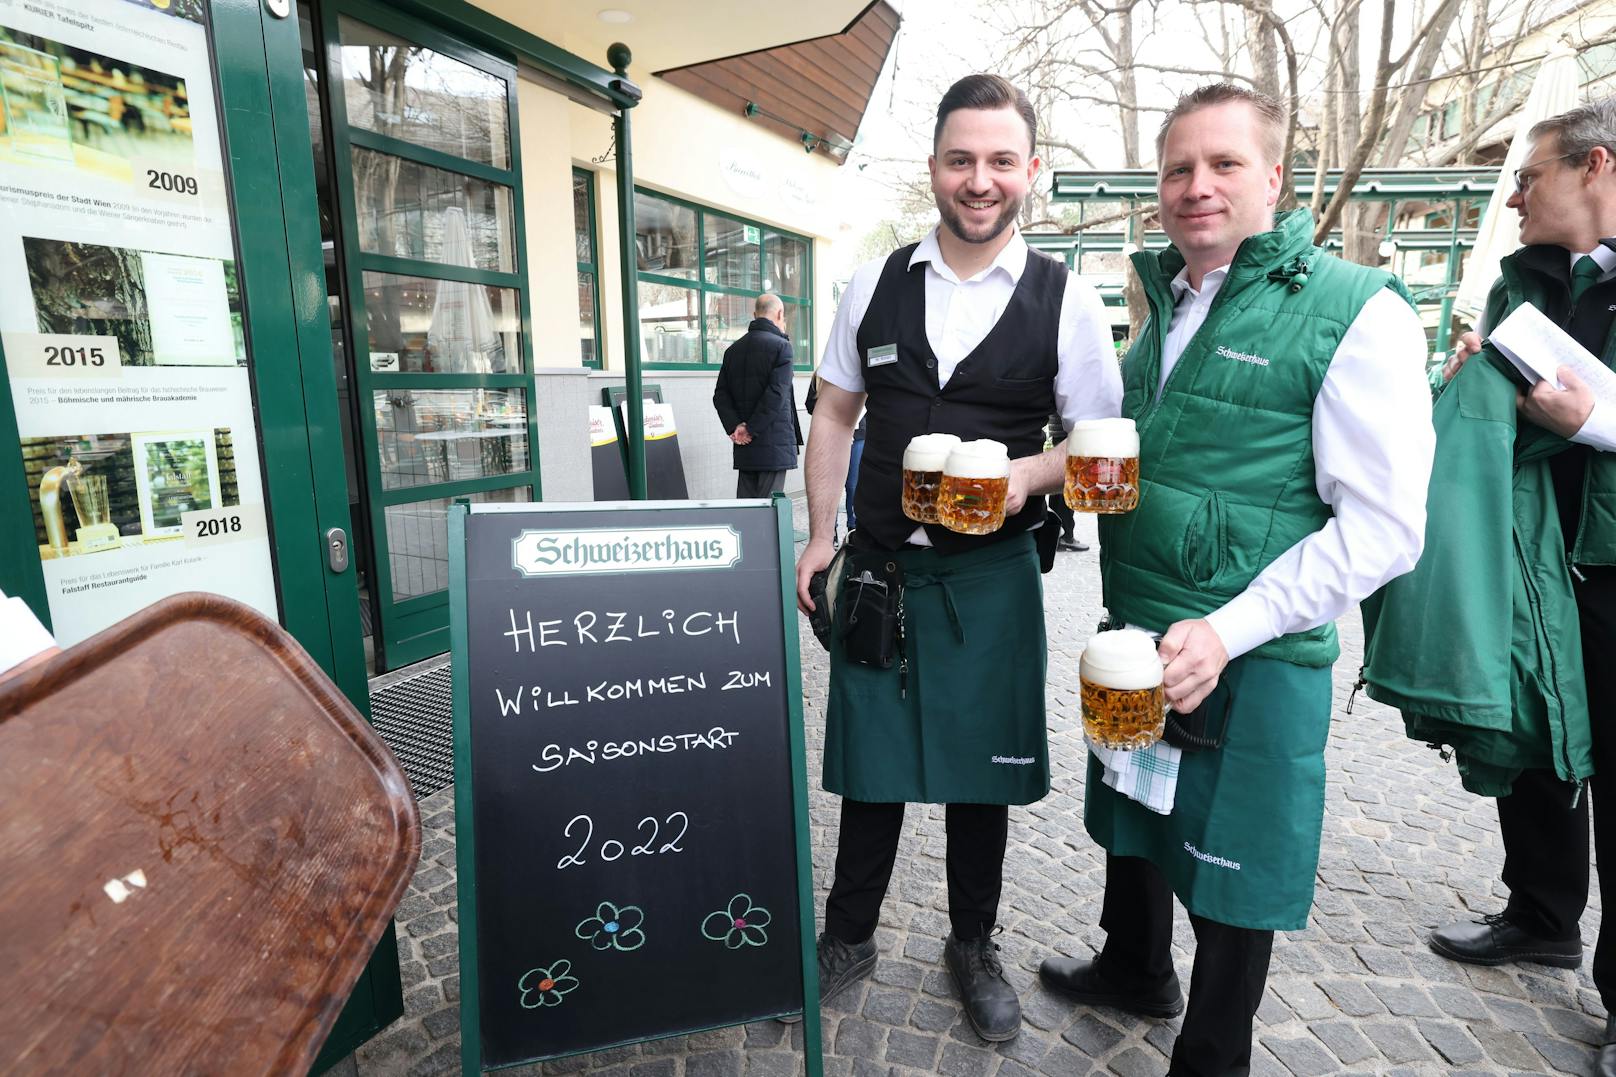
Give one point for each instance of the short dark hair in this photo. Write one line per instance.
(986, 92)
(1269, 113)
(1580, 130)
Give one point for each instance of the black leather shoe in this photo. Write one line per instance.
(1082, 981)
(1607, 1053)
(990, 1002)
(1493, 940)
(1070, 543)
(841, 965)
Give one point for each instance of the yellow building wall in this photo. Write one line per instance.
(552, 261)
(685, 147)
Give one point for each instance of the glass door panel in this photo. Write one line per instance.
(427, 175)
(407, 209)
(396, 88)
(420, 325)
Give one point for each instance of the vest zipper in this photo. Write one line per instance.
(1587, 477)
(1552, 684)
(1159, 394)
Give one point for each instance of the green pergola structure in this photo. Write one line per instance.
(1454, 187)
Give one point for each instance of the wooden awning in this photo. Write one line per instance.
(818, 87)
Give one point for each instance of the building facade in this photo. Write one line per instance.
(282, 280)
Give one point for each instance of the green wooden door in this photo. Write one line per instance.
(427, 195)
(271, 172)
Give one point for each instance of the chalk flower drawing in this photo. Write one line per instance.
(546, 987)
(740, 924)
(613, 928)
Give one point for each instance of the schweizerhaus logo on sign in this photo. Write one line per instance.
(640, 549)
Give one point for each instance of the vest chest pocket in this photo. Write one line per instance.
(1206, 541)
(1016, 391)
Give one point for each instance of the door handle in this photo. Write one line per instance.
(336, 549)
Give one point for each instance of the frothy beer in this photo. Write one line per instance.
(923, 464)
(976, 478)
(1120, 682)
(1102, 466)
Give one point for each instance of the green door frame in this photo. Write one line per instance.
(258, 59)
(418, 627)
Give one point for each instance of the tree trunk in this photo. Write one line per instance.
(1127, 87)
(1264, 54)
(1349, 49)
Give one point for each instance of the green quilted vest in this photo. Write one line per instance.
(1226, 451)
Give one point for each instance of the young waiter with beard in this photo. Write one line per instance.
(967, 333)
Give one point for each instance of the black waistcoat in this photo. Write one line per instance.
(1003, 390)
(1589, 323)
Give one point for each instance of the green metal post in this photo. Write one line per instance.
(1445, 318)
(619, 56)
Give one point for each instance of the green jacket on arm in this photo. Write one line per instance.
(1479, 646)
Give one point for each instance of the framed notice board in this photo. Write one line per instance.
(630, 778)
(664, 464)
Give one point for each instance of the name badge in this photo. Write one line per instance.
(885, 355)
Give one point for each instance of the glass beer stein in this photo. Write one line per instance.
(976, 478)
(923, 464)
(1120, 683)
(1102, 466)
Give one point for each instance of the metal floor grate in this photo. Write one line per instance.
(415, 718)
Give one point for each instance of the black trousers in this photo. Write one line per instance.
(759, 483)
(1545, 837)
(867, 845)
(1226, 986)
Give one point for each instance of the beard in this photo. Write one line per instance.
(1009, 210)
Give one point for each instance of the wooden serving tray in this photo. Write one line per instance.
(201, 842)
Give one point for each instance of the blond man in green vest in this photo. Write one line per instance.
(1285, 448)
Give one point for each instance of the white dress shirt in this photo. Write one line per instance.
(961, 313)
(21, 634)
(1372, 447)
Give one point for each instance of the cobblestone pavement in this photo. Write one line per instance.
(1405, 849)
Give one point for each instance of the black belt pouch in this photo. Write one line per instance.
(868, 610)
(1202, 729)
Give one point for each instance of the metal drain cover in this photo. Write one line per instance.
(414, 718)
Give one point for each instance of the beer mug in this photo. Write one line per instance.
(1102, 466)
(923, 464)
(976, 478)
(1120, 683)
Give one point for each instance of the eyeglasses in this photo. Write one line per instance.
(1524, 183)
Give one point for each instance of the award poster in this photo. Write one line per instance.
(121, 313)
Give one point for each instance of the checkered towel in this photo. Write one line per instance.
(1148, 775)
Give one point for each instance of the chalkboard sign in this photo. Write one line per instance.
(631, 813)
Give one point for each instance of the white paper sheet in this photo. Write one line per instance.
(1538, 348)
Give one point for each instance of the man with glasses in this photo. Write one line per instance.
(1566, 197)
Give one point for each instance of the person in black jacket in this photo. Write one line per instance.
(756, 404)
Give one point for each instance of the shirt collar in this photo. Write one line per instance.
(1012, 260)
(1181, 283)
(1601, 254)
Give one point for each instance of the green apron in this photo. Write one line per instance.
(1241, 846)
(970, 728)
